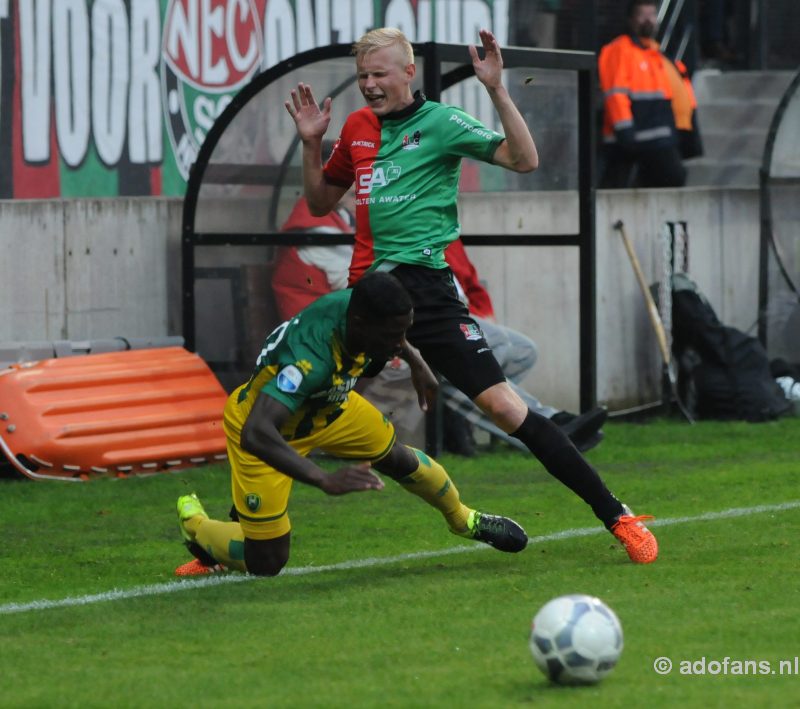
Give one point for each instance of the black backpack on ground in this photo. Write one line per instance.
(722, 372)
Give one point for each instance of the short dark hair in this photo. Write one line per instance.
(633, 4)
(378, 295)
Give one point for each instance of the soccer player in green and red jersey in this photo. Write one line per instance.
(403, 154)
(300, 397)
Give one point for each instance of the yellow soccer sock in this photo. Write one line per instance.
(431, 482)
(223, 540)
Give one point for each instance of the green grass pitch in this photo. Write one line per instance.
(382, 607)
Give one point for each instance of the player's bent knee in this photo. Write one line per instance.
(398, 463)
(266, 557)
(503, 406)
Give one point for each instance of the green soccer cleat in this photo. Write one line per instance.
(190, 506)
(502, 533)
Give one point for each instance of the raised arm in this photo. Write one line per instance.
(261, 437)
(311, 123)
(518, 151)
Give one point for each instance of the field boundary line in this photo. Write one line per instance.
(219, 580)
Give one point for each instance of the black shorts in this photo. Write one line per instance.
(450, 341)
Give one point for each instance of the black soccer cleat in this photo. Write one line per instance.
(502, 533)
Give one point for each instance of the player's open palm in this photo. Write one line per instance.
(311, 120)
(351, 478)
(488, 70)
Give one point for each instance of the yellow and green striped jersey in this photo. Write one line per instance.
(304, 365)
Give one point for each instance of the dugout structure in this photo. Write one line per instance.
(247, 176)
(779, 273)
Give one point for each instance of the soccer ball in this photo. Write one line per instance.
(576, 639)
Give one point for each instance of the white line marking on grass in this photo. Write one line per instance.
(207, 581)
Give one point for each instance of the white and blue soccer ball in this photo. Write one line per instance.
(576, 639)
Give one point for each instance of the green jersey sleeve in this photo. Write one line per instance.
(300, 375)
(467, 137)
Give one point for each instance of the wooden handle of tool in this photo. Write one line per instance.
(652, 310)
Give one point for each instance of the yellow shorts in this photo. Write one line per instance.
(261, 493)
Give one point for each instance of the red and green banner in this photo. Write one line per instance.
(103, 98)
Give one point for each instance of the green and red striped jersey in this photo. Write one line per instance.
(406, 167)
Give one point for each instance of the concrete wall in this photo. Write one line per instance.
(86, 269)
(83, 269)
(535, 288)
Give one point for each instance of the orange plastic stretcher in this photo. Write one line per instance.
(119, 413)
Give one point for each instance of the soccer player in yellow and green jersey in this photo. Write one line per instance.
(299, 398)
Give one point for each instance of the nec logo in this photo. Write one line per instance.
(379, 175)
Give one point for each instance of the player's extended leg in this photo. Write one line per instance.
(422, 476)
(563, 461)
(364, 433)
(452, 343)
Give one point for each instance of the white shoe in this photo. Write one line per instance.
(791, 388)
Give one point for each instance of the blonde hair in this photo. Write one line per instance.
(384, 37)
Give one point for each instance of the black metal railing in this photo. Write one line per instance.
(438, 75)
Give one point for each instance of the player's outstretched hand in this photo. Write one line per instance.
(423, 379)
(489, 70)
(351, 478)
(425, 384)
(311, 121)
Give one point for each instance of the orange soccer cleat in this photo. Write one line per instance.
(195, 567)
(637, 539)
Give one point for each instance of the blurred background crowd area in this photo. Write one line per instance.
(720, 34)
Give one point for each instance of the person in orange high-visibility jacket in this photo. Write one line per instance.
(649, 118)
